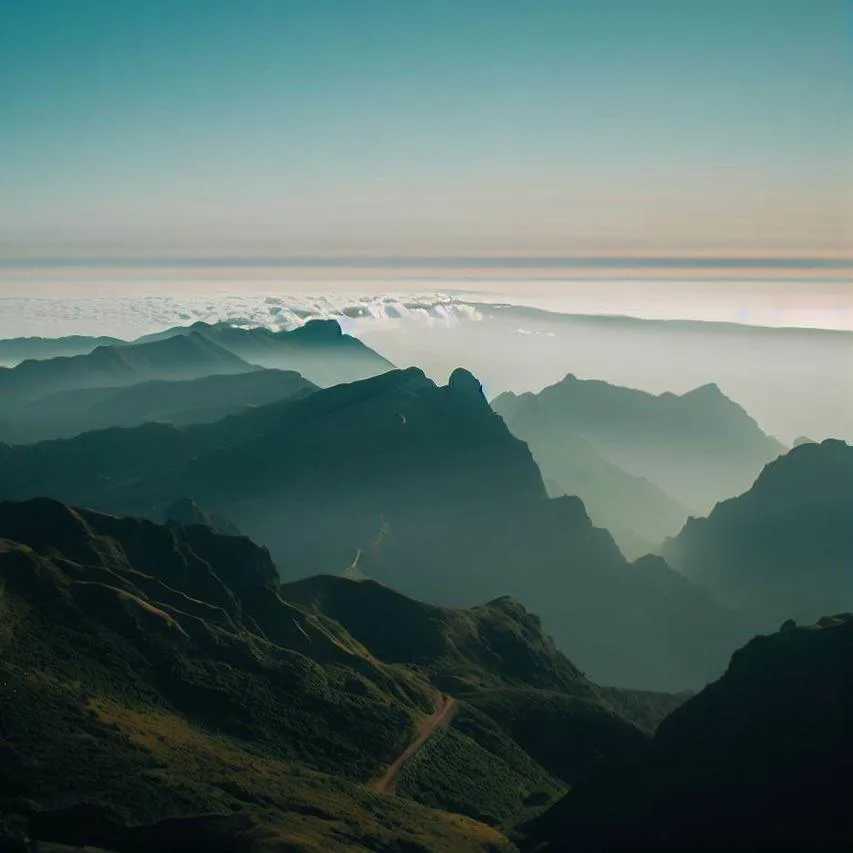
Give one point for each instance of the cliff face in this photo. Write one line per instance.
(784, 548)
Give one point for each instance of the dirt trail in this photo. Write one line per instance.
(446, 707)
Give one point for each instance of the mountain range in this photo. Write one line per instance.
(319, 349)
(179, 357)
(15, 350)
(242, 611)
(179, 402)
(121, 384)
(416, 485)
(639, 514)
(159, 689)
(793, 381)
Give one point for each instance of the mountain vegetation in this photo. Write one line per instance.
(368, 677)
(158, 672)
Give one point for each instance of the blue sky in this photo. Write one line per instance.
(425, 127)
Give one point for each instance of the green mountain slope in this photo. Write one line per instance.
(151, 672)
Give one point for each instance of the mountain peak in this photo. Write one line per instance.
(319, 330)
(709, 390)
(464, 381)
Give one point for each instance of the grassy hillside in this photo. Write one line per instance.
(152, 672)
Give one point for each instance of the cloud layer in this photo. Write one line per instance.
(129, 317)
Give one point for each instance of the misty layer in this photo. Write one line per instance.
(261, 590)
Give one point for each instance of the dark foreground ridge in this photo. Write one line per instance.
(760, 761)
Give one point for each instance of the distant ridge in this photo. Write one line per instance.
(180, 357)
(699, 447)
(638, 513)
(319, 349)
(14, 350)
(178, 402)
(70, 393)
(660, 323)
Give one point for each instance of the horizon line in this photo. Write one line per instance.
(436, 262)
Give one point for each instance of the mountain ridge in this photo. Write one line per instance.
(698, 447)
(184, 357)
(65, 414)
(422, 487)
(178, 678)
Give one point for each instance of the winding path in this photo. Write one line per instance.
(446, 708)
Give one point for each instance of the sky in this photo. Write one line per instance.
(149, 129)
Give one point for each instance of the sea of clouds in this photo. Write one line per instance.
(129, 317)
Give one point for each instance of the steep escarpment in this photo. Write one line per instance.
(783, 549)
